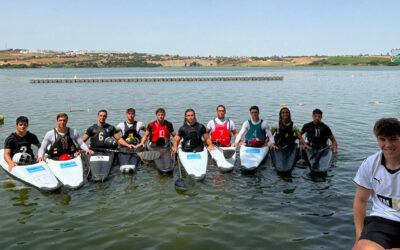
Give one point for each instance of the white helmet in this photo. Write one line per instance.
(22, 158)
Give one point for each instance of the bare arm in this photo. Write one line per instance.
(359, 210)
(177, 139)
(144, 138)
(7, 158)
(207, 139)
(122, 142)
(334, 144)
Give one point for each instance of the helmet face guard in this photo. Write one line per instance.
(22, 158)
(110, 142)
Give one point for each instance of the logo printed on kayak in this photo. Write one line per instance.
(193, 156)
(253, 150)
(68, 164)
(35, 169)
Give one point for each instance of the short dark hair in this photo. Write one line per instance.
(317, 111)
(254, 107)
(62, 115)
(387, 127)
(102, 110)
(221, 106)
(160, 110)
(131, 110)
(22, 119)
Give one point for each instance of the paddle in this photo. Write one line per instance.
(144, 155)
(180, 184)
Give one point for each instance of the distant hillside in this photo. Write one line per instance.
(20, 58)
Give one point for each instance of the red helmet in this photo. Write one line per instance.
(255, 143)
(64, 157)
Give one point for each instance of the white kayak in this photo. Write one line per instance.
(224, 157)
(37, 175)
(251, 158)
(69, 173)
(194, 163)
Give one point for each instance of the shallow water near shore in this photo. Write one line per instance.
(227, 210)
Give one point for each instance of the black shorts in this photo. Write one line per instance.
(382, 231)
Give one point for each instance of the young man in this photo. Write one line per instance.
(131, 131)
(17, 146)
(221, 129)
(318, 133)
(101, 134)
(378, 179)
(256, 132)
(62, 140)
(192, 134)
(159, 131)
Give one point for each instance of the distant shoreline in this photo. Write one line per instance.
(19, 58)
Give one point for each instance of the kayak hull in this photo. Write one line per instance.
(194, 163)
(251, 157)
(69, 173)
(284, 158)
(37, 175)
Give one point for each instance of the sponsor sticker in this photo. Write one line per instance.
(99, 158)
(193, 156)
(253, 150)
(68, 164)
(35, 169)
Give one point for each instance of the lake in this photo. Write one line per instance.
(227, 210)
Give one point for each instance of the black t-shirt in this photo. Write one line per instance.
(98, 134)
(18, 144)
(317, 135)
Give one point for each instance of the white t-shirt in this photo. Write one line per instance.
(49, 139)
(384, 187)
(246, 126)
(121, 127)
(211, 124)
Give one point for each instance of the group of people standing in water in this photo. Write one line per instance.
(377, 177)
(63, 142)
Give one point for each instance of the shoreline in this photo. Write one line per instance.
(55, 59)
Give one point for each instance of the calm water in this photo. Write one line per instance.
(228, 211)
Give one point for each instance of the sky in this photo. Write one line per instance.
(203, 27)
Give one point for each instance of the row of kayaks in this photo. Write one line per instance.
(50, 175)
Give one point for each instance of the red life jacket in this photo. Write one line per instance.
(159, 131)
(221, 136)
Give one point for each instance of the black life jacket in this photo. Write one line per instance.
(63, 144)
(285, 135)
(192, 140)
(23, 145)
(131, 135)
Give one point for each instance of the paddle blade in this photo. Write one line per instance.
(180, 185)
(148, 155)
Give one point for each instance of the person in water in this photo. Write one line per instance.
(63, 141)
(255, 132)
(286, 132)
(378, 179)
(318, 133)
(193, 134)
(159, 132)
(103, 135)
(132, 132)
(17, 146)
(221, 129)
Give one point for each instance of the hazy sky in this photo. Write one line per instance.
(203, 27)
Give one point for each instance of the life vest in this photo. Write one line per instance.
(100, 134)
(160, 133)
(63, 144)
(221, 136)
(285, 135)
(255, 132)
(192, 140)
(317, 136)
(131, 135)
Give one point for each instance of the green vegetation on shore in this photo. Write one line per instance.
(19, 58)
(353, 61)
